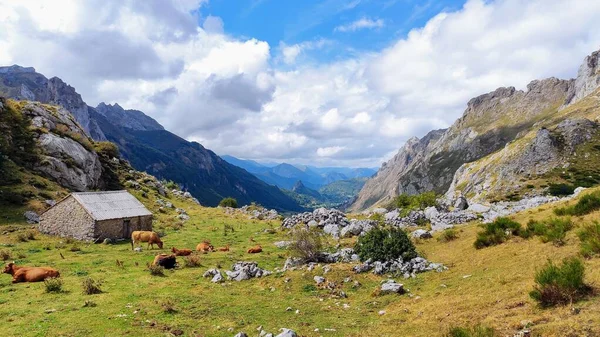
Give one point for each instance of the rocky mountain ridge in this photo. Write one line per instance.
(490, 123)
(146, 145)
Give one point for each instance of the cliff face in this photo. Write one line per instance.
(490, 123)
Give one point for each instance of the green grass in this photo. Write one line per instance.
(590, 240)
(585, 205)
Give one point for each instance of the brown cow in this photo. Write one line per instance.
(29, 274)
(181, 252)
(166, 261)
(146, 236)
(255, 249)
(205, 246)
(224, 249)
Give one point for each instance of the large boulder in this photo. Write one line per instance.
(31, 217)
(287, 333)
(391, 287)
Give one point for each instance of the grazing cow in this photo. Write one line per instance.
(181, 252)
(166, 261)
(146, 236)
(205, 247)
(255, 249)
(29, 274)
(224, 249)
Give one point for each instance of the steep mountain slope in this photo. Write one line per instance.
(148, 147)
(248, 165)
(490, 122)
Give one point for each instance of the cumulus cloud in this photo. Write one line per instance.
(243, 97)
(362, 23)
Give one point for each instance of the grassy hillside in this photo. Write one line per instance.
(488, 286)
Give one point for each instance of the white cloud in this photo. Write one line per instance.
(253, 100)
(362, 23)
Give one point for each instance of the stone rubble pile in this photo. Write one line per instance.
(342, 255)
(405, 268)
(254, 212)
(31, 217)
(333, 222)
(215, 274)
(245, 270)
(185, 195)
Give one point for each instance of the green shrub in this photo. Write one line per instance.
(384, 244)
(586, 204)
(590, 240)
(171, 185)
(5, 254)
(53, 285)
(560, 190)
(229, 202)
(306, 244)
(413, 202)
(192, 261)
(497, 232)
(448, 235)
(309, 288)
(108, 149)
(476, 331)
(91, 286)
(562, 284)
(551, 230)
(156, 270)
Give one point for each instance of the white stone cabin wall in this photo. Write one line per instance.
(68, 219)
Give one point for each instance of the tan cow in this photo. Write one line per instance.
(181, 252)
(29, 274)
(224, 249)
(146, 236)
(205, 247)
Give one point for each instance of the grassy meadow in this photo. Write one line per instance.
(488, 286)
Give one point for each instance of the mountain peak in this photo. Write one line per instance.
(15, 68)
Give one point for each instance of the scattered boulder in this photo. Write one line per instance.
(282, 244)
(245, 270)
(461, 203)
(319, 280)
(241, 334)
(287, 333)
(31, 217)
(50, 202)
(391, 287)
(421, 234)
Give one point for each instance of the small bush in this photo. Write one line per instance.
(448, 235)
(168, 306)
(551, 230)
(385, 244)
(156, 270)
(91, 286)
(22, 237)
(309, 288)
(89, 304)
(108, 149)
(590, 240)
(30, 235)
(229, 202)
(586, 204)
(561, 190)
(53, 285)
(192, 261)
(413, 202)
(306, 244)
(5, 254)
(75, 248)
(562, 284)
(476, 331)
(497, 232)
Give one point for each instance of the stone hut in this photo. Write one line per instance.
(95, 216)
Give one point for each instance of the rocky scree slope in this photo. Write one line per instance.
(489, 123)
(145, 143)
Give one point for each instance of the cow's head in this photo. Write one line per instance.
(160, 244)
(8, 269)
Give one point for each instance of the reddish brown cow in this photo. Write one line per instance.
(29, 274)
(205, 247)
(255, 249)
(224, 249)
(181, 252)
(146, 236)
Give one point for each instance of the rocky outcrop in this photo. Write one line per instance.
(489, 123)
(130, 119)
(528, 158)
(405, 268)
(245, 270)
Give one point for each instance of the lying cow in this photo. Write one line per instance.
(205, 247)
(166, 261)
(181, 252)
(224, 249)
(255, 249)
(146, 236)
(29, 274)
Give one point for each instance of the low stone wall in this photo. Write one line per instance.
(68, 219)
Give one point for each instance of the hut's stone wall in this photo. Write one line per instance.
(116, 228)
(68, 219)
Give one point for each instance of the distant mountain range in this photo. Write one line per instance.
(286, 175)
(147, 145)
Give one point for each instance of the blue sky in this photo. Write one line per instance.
(296, 21)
